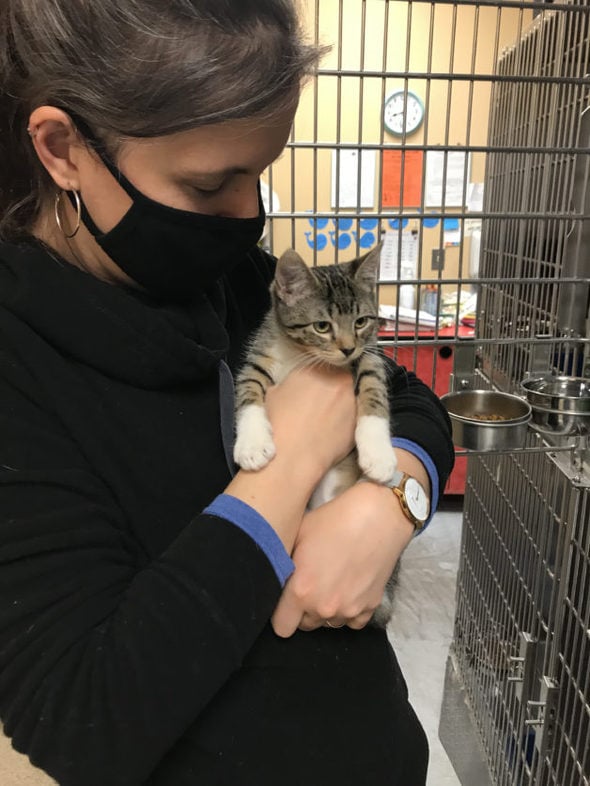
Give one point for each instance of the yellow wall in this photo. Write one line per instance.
(443, 39)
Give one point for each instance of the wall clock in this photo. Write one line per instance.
(399, 105)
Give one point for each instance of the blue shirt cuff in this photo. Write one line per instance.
(253, 524)
(429, 466)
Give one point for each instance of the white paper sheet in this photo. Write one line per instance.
(393, 266)
(452, 237)
(475, 197)
(457, 175)
(349, 178)
(405, 317)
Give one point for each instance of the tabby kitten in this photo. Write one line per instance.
(328, 315)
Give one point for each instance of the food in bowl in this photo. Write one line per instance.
(487, 420)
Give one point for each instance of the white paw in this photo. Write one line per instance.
(376, 456)
(254, 446)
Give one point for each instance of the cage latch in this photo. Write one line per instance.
(541, 715)
(465, 362)
(522, 668)
(541, 354)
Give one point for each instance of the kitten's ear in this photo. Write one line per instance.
(293, 279)
(365, 269)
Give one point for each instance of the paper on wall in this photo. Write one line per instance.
(399, 256)
(475, 197)
(452, 232)
(452, 237)
(457, 175)
(346, 163)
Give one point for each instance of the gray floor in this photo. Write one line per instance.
(422, 626)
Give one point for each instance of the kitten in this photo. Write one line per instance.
(326, 314)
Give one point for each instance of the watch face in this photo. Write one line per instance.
(416, 499)
(402, 107)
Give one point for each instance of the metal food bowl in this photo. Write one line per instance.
(487, 420)
(561, 405)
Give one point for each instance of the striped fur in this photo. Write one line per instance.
(322, 315)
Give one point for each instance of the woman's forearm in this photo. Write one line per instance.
(312, 414)
(278, 492)
(408, 462)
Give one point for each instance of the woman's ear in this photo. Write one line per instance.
(57, 144)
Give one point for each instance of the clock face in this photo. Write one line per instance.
(416, 499)
(403, 107)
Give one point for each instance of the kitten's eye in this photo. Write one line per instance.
(361, 322)
(322, 327)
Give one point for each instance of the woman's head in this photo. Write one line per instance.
(136, 68)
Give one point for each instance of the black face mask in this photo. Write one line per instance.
(174, 254)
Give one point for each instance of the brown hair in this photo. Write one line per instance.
(136, 68)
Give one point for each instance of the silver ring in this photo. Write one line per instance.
(334, 627)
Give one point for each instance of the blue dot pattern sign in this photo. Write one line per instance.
(340, 233)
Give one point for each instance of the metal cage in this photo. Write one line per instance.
(504, 88)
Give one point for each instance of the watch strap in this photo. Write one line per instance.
(397, 485)
(396, 479)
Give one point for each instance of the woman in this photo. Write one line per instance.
(138, 579)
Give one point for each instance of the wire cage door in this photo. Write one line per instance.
(457, 133)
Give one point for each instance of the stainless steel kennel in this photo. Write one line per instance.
(505, 92)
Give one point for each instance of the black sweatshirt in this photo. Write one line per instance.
(134, 637)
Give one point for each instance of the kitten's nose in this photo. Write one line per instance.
(346, 351)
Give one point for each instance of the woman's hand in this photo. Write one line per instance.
(312, 414)
(344, 554)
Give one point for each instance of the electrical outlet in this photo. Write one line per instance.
(438, 259)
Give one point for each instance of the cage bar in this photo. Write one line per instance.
(504, 84)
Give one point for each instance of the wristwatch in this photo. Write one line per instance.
(413, 498)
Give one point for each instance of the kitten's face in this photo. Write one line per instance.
(330, 312)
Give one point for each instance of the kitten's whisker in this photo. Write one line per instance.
(313, 361)
(304, 360)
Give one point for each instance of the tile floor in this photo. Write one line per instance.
(422, 626)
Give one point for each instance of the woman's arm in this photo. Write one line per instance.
(105, 658)
(421, 426)
(313, 421)
(345, 552)
(347, 549)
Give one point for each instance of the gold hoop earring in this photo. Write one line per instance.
(78, 214)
